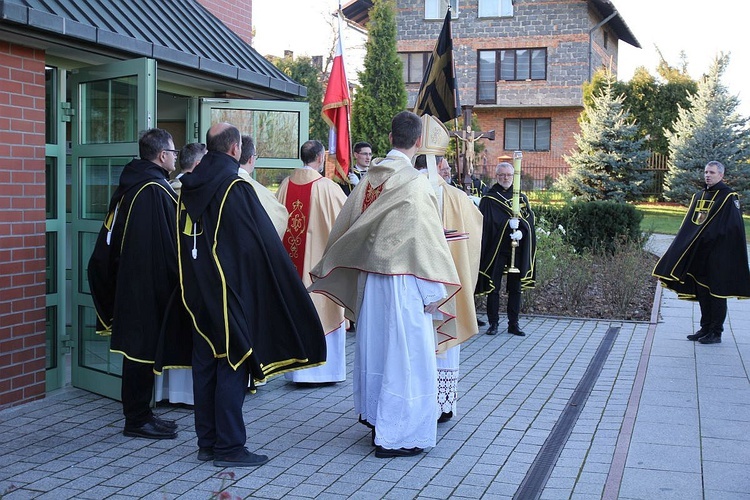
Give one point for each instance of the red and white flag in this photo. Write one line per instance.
(336, 105)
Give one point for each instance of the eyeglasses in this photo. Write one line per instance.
(173, 151)
(504, 175)
(364, 154)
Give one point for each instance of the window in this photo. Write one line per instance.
(528, 134)
(435, 9)
(414, 65)
(495, 8)
(508, 65)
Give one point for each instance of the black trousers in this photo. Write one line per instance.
(713, 311)
(136, 391)
(512, 286)
(218, 392)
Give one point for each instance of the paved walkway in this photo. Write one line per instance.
(663, 418)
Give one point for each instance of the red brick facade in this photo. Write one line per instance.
(237, 15)
(22, 225)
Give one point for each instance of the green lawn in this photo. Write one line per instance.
(666, 218)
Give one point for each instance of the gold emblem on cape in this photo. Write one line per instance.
(371, 194)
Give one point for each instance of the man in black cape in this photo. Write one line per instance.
(251, 312)
(497, 209)
(707, 260)
(135, 285)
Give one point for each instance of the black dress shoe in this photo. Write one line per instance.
(381, 452)
(515, 330)
(243, 458)
(444, 417)
(167, 424)
(480, 322)
(205, 453)
(698, 335)
(149, 430)
(492, 330)
(712, 338)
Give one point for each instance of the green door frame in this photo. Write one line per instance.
(104, 139)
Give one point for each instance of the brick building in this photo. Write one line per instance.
(521, 64)
(78, 81)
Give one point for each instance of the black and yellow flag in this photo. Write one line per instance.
(438, 95)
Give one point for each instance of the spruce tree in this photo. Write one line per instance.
(382, 93)
(609, 161)
(710, 129)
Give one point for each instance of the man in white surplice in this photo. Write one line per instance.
(388, 263)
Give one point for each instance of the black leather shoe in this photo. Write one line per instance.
(243, 458)
(698, 335)
(205, 453)
(167, 424)
(711, 339)
(492, 330)
(444, 417)
(381, 452)
(480, 322)
(149, 430)
(515, 330)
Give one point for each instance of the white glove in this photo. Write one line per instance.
(516, 235)
(513, 223)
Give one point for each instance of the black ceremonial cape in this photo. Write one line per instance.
(497, 209)
(709, 249)
(132, 271)
(238, 283)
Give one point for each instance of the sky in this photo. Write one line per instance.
(701, 30)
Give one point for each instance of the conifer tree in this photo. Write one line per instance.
(382, 93)
(710, 129)
(609, 161)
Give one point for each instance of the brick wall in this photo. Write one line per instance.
(560, 26)
(22, 225)
(237, 15)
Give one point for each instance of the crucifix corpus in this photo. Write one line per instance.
(468, 137)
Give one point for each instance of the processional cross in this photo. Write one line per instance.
(468, 137)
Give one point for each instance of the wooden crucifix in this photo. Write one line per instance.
(468, 137)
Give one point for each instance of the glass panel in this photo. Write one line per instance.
(110, 111)
(486, 91)
(506, 8)
(416, 67)
(94, 350)
(527, 134)
(271, 177)
(538, 64)
(276, 133)
(99, 179)
(50, 105)
(523, 64)
(51, 337)
(86, 243)
(51, 266)
(50, 180)
(507, 65)
(405, 63)
(512, 134)
(431, 8)
(543, 134)
(489, 8)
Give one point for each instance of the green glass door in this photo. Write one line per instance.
(112, 103)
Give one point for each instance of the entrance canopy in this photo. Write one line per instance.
(182, 35)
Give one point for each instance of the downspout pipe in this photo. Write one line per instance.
(591, 41)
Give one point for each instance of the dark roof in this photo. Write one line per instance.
(617, 23)
(357, 11)
(180, 33)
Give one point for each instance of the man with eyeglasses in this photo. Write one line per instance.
(134, 281)
(497, 235)
(362, 159)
